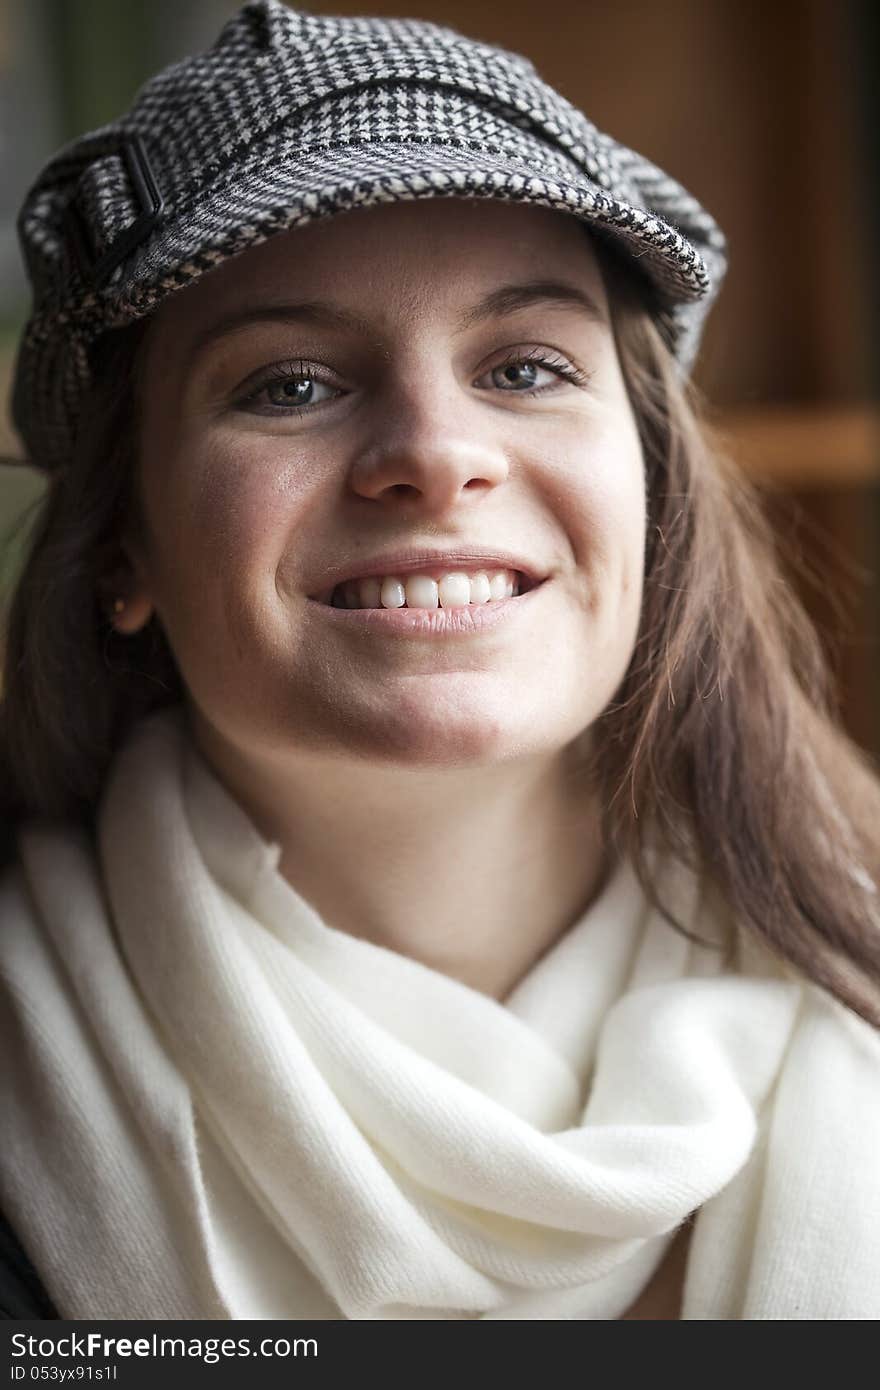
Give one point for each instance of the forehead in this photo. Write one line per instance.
(416, 258)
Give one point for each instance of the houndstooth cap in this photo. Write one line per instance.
(292, 116)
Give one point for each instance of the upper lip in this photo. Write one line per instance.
(400, 562)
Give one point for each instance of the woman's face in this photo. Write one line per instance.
(434, 376)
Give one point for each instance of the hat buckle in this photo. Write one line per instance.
(97, 269)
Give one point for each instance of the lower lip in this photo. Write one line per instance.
(468, 621)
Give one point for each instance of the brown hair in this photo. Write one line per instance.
(723, 745)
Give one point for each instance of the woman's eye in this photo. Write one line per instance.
(533, 374)
(519, 374)
(290, 389)
(296, 391)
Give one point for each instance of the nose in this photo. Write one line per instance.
(431, 447)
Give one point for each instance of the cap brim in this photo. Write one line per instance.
(290, 189)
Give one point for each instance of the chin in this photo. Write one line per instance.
(437, 743)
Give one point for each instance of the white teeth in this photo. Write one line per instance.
(392, 593)
(369, 593)
(421, 591)
(457, 590)
(498, 585)
(453, 590)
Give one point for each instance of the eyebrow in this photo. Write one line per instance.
(498, 303)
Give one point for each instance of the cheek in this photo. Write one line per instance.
(223, 518)
(627, 524)
(228, 498)
(626, 532)
(604, 482)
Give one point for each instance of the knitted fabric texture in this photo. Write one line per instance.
(291, 117)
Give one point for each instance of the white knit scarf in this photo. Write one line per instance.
(219, 1106)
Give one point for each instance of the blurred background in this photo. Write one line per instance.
(767, 110)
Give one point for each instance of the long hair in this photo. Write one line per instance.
(723, 746)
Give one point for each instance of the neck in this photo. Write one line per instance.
(473, 871)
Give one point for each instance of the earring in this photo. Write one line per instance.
(119, 605)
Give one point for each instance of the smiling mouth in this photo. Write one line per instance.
(462, 622)
(429, 590)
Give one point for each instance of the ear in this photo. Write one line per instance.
(123, 593)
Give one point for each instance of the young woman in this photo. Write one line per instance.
(437, 884)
